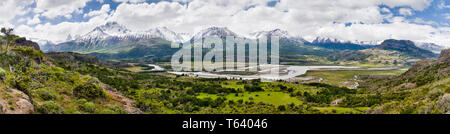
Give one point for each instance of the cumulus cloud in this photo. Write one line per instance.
(405, 11)
(442, 5)
(304, 18)
(104, 10)
(414, 4)
(58, 33)
(131, 1)
(55, 8)
(385, 10)
(9, 9)
(447, 16)
(34, 20)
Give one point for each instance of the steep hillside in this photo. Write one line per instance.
(31, 83)
(389, 53)
(407, 47)
(425, 88)
(421, 73)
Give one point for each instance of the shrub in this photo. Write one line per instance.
(45, 94)
(282, 108)
(88, 107)
(89, 91)
(2, 73)
(50, 107)
(113, 110)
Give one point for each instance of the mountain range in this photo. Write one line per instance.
(115, 41)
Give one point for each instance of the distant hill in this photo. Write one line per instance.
(421, 73)
(335, 44)
(407, 47)
(423, 89)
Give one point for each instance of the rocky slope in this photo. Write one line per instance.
(31, 83)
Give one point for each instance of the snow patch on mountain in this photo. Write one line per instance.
(319, 40)
(430, 46)
(283, 34)
(221, 32)
(115, 30)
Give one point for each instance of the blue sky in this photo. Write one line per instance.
(425, 20)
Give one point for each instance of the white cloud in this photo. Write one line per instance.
(421, 21)
(442, 5)
(300, 17)
(144, 15)
(447, 16)
(104, 10)
(9, 9)
(405, 11)
(55, 8)
(34, 20)
(414, 4)
(303, 18)
(58, 33)
(131, 1)
(385, 10)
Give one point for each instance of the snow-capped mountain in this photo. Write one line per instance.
(327, 40)
(319, 40)
(165, 33)
(430, 46)
(221, 32)
(372, 43)
(277, 32)
(115, 30)
(110, 29)
(336, 44)
(159, 32)
(185, 36)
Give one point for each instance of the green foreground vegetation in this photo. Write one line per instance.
(347, 78)
(71, 83)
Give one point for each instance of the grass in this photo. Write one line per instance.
(134, 67)
(347, 77)
(232, 84)
(274, 98)
(341, 110)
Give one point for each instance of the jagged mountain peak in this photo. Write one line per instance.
(321, 40)
(326, 40)
(283, 34)
(216, 32)
(121, 32)
(166, 33)
(104, 31)
(275, 32)
(113, 28)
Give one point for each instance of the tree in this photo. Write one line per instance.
(8, 37)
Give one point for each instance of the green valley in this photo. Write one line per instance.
(72, 83)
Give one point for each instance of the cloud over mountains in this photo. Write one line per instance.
(365, 20)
